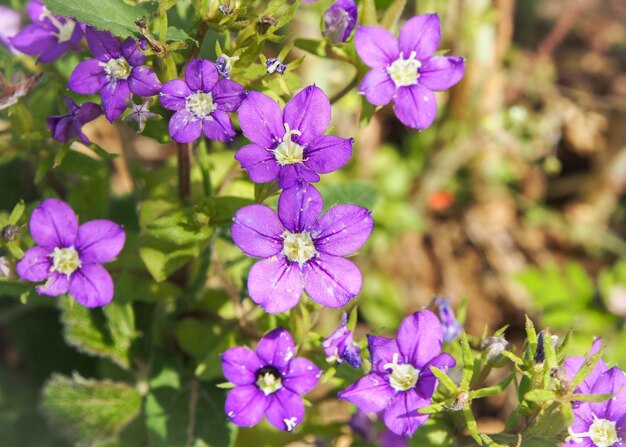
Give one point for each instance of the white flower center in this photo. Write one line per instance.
(117, 68)
(298, 247)
(601, 432)
(200, 104)
(268, 383)
(402, 377)
(65, 260)
(289, 152)
(404, 72)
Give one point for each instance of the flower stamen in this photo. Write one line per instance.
(201, 104)
(65, 261)
(118, 69)
(601, 432)
(403, 377)
(404, 72)
(288, 152)
(298, 247)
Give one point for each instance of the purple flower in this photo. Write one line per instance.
(49, 35)
(340, 19)
(140, 113)
(68, 256)
(116, 72)
(290, 145)
(10, 21)
(302, 250)
(600, 424)
(406, 70)
(268, 382)
(401, 381)
(340, 347)
(451, 327)
(363, 424)
(66, 127)
(201, 102)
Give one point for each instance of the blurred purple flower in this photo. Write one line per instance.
(340, 347)
(140, 114)
(290, 145)
(116, 72)
(269, 381)
(406, 69)
(302, 250)
(68, 256)
(451, 327)
(340, 19)
(401, 382)
(48, 36)
(364, 425)
(66, 127)
(201, 102)
(10, 21)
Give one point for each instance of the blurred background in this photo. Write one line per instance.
(512, 203)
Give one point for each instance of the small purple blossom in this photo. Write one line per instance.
(340, 19)
(406, 70)
(302, 250)
(290, 145)
(451, 327)
(364, 425)
(339, 346)
(10, 21)
(48, 36)
(140, 114)
(269, 382)
(274, 65)
(66, 127)
(201, 102)
(116, 72)
(224, 65)
(68, 256)
(401, 382)
(600, 424)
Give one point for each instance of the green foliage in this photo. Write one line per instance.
(104, 333)
(89, 411)
(115, 16)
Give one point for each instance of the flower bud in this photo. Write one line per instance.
(540, 354)
(274, 65)
(451, 327)
(340, 347)
(493, 348)
(340, 19)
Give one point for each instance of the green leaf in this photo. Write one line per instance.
(357, 193)
(178, 35)
(115, 16)
(466, 355)
(445, 380)
(193, 414)
(592, 397)
(368, 13)
(472, 427)
(221, 210)
(17, 212)
(393, 14)
(586, 369)
(316, 47)
(490, 391)
(106, 332)
(540, 395)
(204, 342)
(89, 410)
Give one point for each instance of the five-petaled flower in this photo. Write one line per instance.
(49, 36)
(406, 69)
(598, 424)
(116, 72)
(401, 381)
(339, 346)
(201, 102)
(290, 145)
(66, 127)
(68, 256)
(269, 381)
(302, 250)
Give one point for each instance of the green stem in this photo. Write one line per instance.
(344, 91)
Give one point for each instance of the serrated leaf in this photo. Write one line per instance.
(115, 16)
(104, 333)
(88, 411)
(356, 193)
